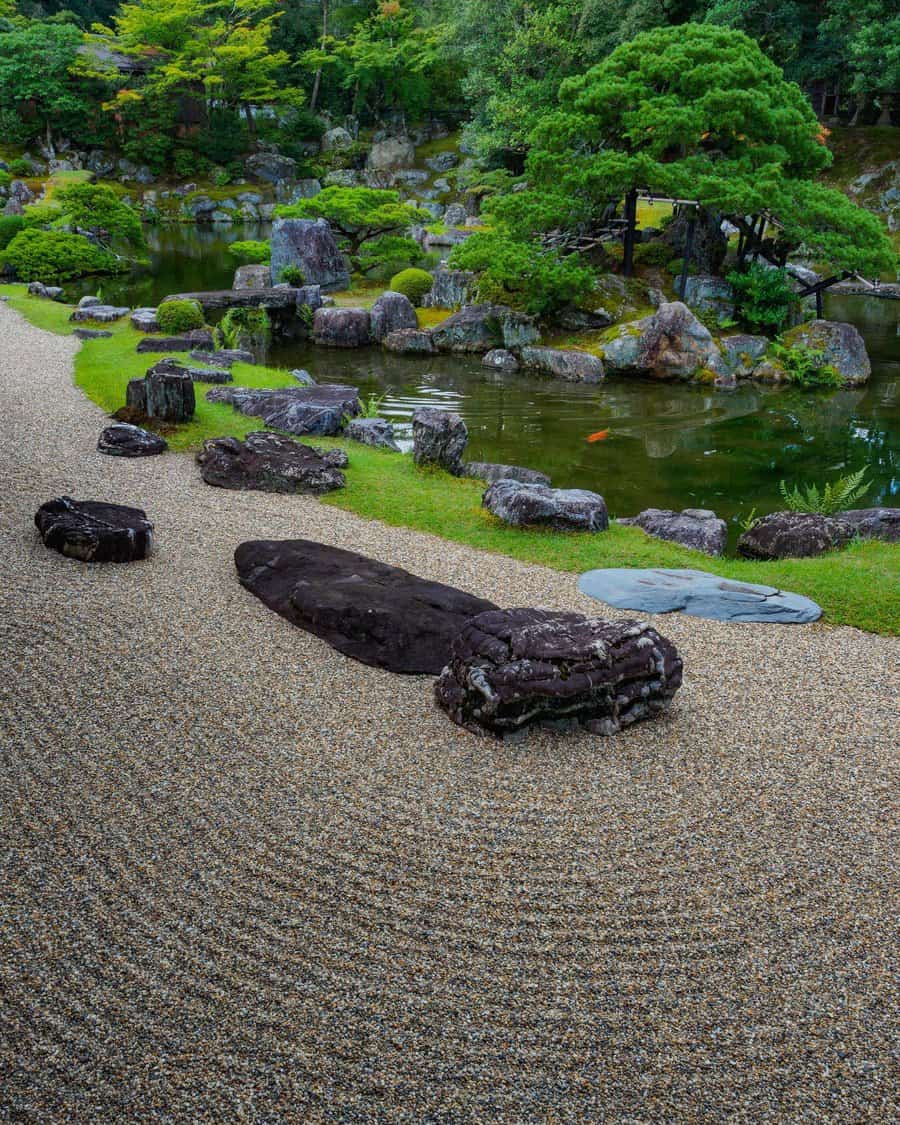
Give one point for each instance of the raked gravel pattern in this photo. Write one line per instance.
(245, 878)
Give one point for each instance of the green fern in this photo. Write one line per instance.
(834, 497)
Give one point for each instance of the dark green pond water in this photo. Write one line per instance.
(669, 446)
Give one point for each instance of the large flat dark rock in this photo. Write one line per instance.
(212, 300)
(296, 410)
(696, 593)
(197, 338)
(376, 613)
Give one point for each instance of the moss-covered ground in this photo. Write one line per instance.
(857, 586)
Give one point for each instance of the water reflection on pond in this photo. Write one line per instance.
(669, 445)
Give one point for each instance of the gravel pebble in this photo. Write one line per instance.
(243, 877)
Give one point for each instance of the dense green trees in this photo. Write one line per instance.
(695, 112)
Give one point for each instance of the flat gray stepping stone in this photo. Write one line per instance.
(698, 594)
(93, 531)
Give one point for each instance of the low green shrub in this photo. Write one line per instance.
(55, 255)
(20, 167)
(5, 178)
(179, 316)
(292, 275)
(251, 252)
(10, 225)
(834, 497)
(677, 265)
(653, 254)
(412, 283)
(762, 296)
(804, 366)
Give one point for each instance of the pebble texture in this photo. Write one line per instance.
(245, 877)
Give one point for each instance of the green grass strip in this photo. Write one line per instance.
(858, 586)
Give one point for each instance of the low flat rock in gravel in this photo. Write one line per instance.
(103, 314)
(267, 462)
(225, 357)
(697, 594)
(125, 440)
(92, 531)
(488, 471)
(563, 509)
(91, 333)
(697, 528)
(516, 668)
(296, 410)
(198, 338)
(375, 613)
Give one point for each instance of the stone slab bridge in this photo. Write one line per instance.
(284, 304)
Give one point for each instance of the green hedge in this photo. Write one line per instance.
(55, 255)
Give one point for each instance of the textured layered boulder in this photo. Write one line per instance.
(670, 344)
(267, 462)
(92, 531)
(91, 334)
(563, 509)
(124, 440)
(841, 344)
(577, 367)
(377, 432)
(310, 245)
(296, 410)
(517, 668)
(166, 392)
(409, 341)
(490, 472)
(48, 292)
(392, 312)
(370, 611)
(144, 320)
(439, 438)
(390, 153)
(697, 528)
(252, 276)
(499, 359)
(198, 338)
(794, 535)
(480, 328)
(342, 328)
(709, 294)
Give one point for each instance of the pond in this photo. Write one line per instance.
(669, 445)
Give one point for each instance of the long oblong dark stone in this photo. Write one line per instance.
(377, 614)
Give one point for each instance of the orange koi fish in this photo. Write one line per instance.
(600, 435)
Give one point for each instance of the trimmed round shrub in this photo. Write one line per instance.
(179, 316)
(54, 255)
(250, 252)
(412, 283)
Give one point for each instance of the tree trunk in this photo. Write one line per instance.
(251, 121)
(317, 81)
(887, 105)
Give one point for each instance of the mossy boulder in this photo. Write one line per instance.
(841, 344)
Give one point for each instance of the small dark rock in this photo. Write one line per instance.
(697, 528)
(93, 531)
(409, 341)
(377, 432)
(516, 668)
(268, 462)
(486, 471)
(499, 359)
(874, 523)
(563, 509)
(794, 535)
(224, 357)
(124, 440)
(198, 338)
(439, 438)
(342, 328)
(91, 333)
(144, 320)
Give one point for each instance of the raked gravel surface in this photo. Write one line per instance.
(243, 878)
